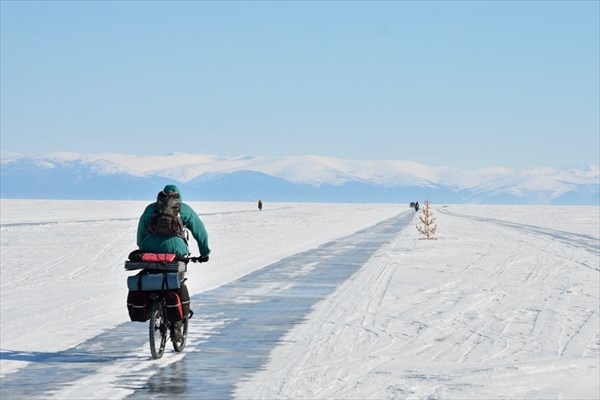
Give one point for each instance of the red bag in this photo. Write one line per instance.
(158, 257)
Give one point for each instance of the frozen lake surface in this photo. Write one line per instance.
(309, 301)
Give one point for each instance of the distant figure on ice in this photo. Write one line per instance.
(416, 206)
(260, 205)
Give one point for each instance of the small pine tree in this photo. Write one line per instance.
(428, 228)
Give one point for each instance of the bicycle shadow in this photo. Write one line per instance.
(67, 356)
(35, 374)
(119, 343)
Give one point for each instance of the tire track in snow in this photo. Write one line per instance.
(17, 225)
(587, 242)
(63, 223)
(498, 307)
(565, 325)
(82, 257)
(246, 319)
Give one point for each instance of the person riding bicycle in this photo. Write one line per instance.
(177, 244)
(151, 235)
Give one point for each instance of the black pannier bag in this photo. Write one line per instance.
(174, 307)
(137, 305)
(184, 296)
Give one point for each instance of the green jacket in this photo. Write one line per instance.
(147, 241)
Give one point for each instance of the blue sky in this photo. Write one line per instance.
(463, 84)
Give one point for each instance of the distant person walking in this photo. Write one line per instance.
(260, 205)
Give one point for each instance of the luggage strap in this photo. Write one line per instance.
(140, 280)
(165, 282)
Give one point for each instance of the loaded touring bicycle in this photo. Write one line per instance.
(157, 293)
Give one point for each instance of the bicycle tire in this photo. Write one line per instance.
(179, 345)
(157, 330)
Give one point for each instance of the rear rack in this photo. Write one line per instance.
(174, 266)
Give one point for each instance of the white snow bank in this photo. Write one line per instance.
(503, 305)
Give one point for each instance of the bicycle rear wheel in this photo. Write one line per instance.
(157, 330)
(179, 345)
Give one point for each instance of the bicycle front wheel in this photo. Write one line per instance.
(157, 330)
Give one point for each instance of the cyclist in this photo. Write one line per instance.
(149, 238)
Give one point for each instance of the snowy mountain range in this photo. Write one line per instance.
(296, 178)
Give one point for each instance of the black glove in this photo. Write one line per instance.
(203, 259)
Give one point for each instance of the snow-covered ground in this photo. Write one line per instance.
(505, 304)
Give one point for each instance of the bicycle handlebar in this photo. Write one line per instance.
(201, 259)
